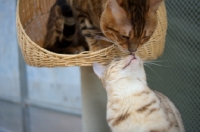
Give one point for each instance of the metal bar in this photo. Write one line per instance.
(24, 93)
(11, 100)
(48, 106)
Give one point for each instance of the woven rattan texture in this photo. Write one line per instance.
(31, 23)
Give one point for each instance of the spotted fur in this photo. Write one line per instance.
(132, 106)
(62, 34)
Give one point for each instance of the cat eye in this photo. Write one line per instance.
(145, 37)
(124, 37)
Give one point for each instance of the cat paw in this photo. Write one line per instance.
(79, 49)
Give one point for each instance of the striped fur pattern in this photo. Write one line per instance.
(132, 106)
(129, 23)
(62, 34)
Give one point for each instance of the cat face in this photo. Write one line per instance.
(130, 30)
(128, 67)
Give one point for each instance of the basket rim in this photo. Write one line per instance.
(62, 60)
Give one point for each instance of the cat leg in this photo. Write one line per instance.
(70, 50)
(61, 31)
(90, 32)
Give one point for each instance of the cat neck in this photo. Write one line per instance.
(128, 85)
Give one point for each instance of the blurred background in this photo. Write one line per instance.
(49, 99)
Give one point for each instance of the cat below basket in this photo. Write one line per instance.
(131, 105)
(32, 18)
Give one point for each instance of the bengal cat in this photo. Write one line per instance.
(131, 105)
(129, 23)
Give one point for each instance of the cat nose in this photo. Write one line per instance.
(132, 48)
(132, 53)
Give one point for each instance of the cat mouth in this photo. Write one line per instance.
(129, 62)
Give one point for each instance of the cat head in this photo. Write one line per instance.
(130, 67)
(129, 23)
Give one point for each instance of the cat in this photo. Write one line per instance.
(131, 105)
(129, 23)
(62, 35)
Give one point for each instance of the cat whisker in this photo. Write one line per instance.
(100, 32)
(98, 37)
(108, 40)
(151, 63)
(103, 38)
(154, 72)
(155, 61)
(150, 76)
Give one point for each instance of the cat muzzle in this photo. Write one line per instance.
(132, 48)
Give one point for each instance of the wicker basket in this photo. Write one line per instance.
(31, 22)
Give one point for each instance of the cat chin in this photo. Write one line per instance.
(133, 62)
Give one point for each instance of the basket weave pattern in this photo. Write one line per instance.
(31, 23)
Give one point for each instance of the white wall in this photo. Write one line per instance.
(9, 73)
(55, 86)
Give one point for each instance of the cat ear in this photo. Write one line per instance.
(115, 1)
(154, 4)
(99, 69)
(117, 11)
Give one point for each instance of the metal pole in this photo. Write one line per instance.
(93, 102)
(24, 94)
